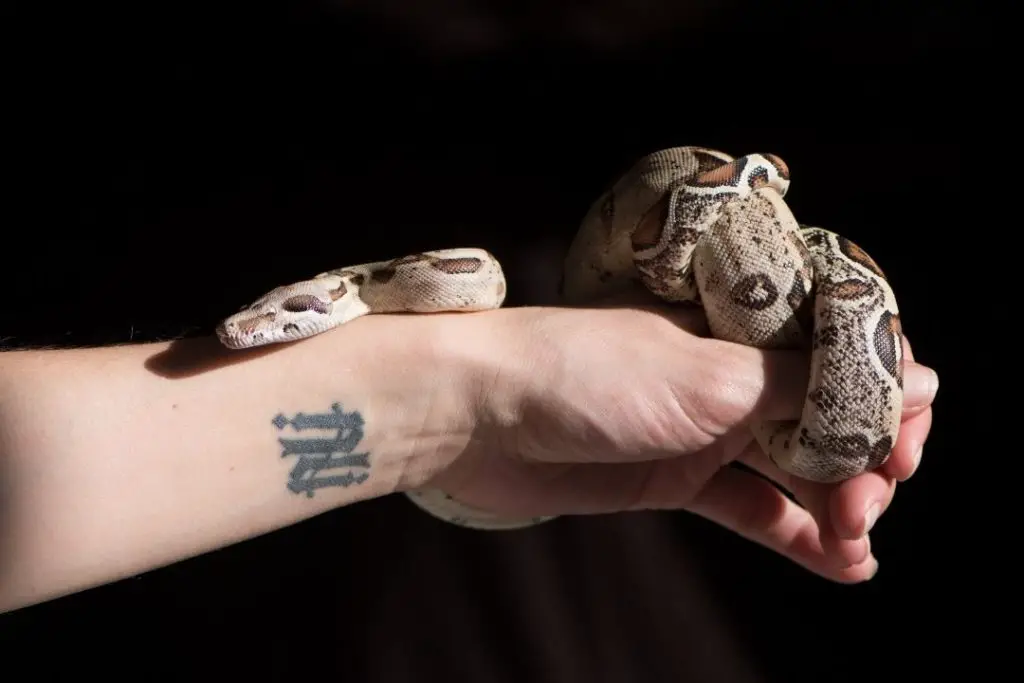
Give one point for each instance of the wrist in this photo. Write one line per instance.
(484, 363)
(443, 390)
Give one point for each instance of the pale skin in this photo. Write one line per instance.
(124, 459)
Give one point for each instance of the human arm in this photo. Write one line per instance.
(120, 460)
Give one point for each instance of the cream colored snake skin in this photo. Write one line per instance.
(694, 226)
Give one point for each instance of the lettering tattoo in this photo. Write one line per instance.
(328, 451)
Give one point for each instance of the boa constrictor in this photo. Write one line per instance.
(692, 225)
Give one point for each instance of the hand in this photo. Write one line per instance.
(612, 409)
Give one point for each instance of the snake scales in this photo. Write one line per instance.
(691, 225)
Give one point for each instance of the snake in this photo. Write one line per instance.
(695, 227)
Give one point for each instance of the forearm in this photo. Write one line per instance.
(119, 460)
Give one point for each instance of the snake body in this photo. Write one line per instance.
(693, 226)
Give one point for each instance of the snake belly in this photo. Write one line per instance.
(691, 225)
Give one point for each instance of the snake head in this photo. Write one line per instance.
(285, 314)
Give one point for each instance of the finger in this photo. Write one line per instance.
(856, 504)
(513, 488)
(727, 385)
(751, 507)
(839, 509)
(739, 501)
(920, 389)
(846, 512)
(906, 454)
(920, 385)
(843, 510)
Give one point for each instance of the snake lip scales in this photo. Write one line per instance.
(689, 224)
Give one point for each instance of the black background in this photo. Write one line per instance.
(166, 162)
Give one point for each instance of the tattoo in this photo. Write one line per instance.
(317, 454)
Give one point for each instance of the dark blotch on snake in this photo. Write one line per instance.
(758, 178)
(727, 175)
(889, 334)
(305, 302)
(797, 294)
(411, 258)
(858, 255)
(801, 303)
(651, 225)
(826, 336)
(779, 165)
(457, 266)
(756, 292)
(383, 275)
(812, 236)
(340, 291)
(854, 447)
(848, 290)
(706, 162)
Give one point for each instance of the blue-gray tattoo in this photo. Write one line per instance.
(331, 450)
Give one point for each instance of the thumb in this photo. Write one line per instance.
(723, 385)
(736, 385)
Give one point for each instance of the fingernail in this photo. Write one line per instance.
(920, 384)
(870, 517)
(914, 464)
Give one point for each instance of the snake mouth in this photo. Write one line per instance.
(230, 337)
(233, 341)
